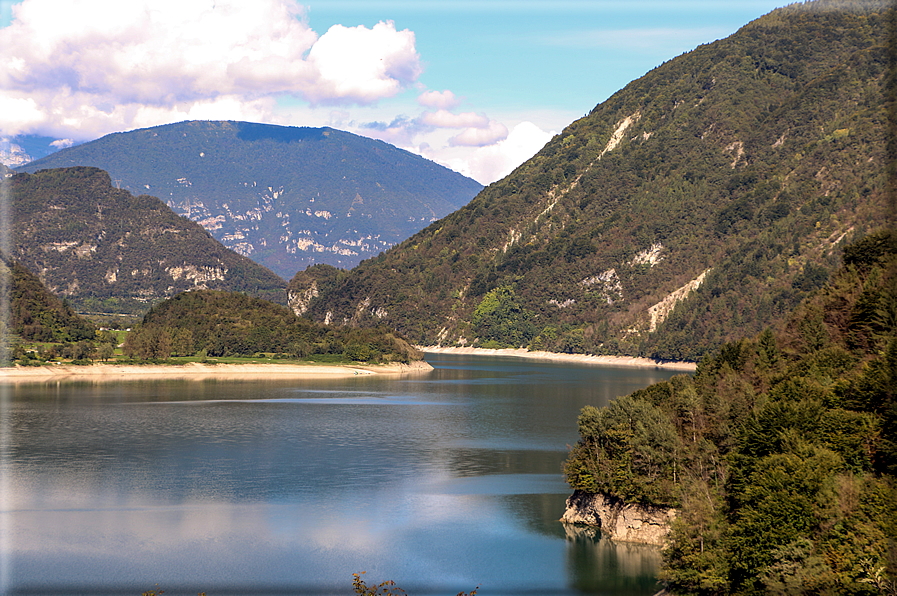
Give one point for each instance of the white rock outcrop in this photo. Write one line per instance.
(659, 311)
(626, 522)
(300, 301)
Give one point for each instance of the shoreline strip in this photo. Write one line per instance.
(197, 371)
(572, 358)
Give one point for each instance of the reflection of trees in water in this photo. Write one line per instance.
(540, 513)
(599, 565)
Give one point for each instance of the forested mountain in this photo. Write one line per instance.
(232, 324)
(105, 250)
(698, 204)
(37, 315)
(780, 453)
(285, 197)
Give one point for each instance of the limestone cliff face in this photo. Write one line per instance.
(619, 520)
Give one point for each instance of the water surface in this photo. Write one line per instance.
(441, 481)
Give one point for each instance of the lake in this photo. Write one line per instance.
(441, 481)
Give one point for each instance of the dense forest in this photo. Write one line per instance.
(780, 453)
(105, 250)
(214, 323)
(37, 315)
(287, 197)
(733, 173)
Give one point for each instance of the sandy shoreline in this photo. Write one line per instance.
(577, 358)
(197, 371)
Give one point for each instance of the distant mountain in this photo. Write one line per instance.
(286, 197)
(697, 205)
(20, 150)
(105, 250)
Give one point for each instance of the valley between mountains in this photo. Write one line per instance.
(733, 210)
(699, 204)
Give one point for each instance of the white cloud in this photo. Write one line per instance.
(19, 114)
(362, 64)
(446, 119)
(78, 70)
(488, 164)
(97, 66)
(441, 100)
(401, 131)
(479, 137)
(479, 129)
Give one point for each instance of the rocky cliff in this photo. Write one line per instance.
(618, 520)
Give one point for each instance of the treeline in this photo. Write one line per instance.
(213, 323)
(780, 453)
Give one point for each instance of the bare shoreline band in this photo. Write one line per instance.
(197, 371)
(572, 358)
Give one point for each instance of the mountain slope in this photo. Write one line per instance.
(286, 197)
(780, 452)
(226, 324)
(106, 250)
(37, 315)
(698, 204)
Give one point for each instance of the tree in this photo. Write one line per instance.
(105, 351)
(500, 318)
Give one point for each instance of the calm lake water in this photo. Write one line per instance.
(442, 481)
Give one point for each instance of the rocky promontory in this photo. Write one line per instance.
(618, 520)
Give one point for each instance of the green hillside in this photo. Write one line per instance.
(780, 452)
(730, 177)
(37, 315)
(105, 250)
(287, 197)
(231, 324)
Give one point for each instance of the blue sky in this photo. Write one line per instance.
(475, 85)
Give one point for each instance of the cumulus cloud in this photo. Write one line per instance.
(446, 119)
(363, 64)
(480, 137)
(488, 164)
(401, 131)
(102, 65)
(479, 129)
(19, 114)
(441, 100)
(78, 70)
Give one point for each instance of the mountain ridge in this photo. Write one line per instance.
(287, 197)
(748, 161)
(105, 250)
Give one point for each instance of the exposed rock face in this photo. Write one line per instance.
(619, 520)
(659, 311)
(299, 300)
